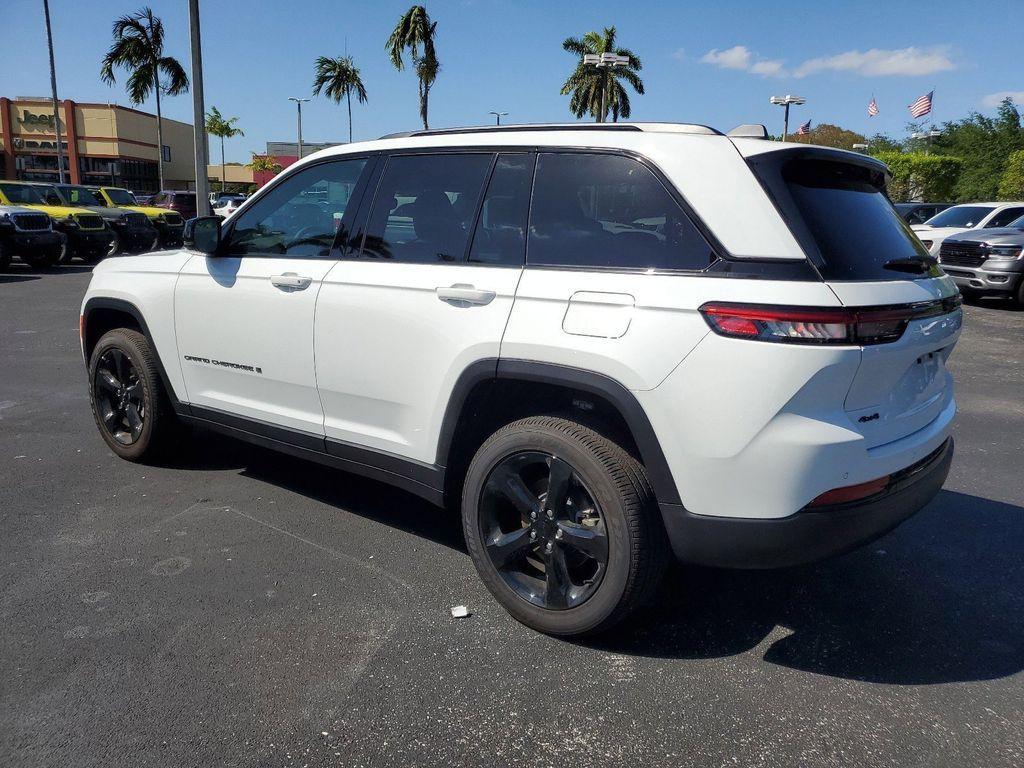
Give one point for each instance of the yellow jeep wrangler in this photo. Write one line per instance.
(169, 224)
(86, 235)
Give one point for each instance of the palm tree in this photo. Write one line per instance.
(338, 78)
(223, 128)
(588, 82)
(139, 48)
(413, 31)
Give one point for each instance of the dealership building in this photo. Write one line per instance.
(103, 144)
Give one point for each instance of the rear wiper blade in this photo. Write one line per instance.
(914, 264)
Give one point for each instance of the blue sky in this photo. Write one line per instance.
(713, 63)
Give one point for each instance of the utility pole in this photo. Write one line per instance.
(53, 88)
(298, 103)
(198, 113)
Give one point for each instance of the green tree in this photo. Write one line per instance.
(828, 135)
(339, 79)
(882, 143)
(223, 128)
(416, 31)
(985, 145)
(588, 82)
(917, 176)
(138, 47)
(1011, 185)
(263, 164)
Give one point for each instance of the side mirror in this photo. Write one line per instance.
(203, 234)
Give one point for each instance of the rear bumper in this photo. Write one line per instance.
(808, 535)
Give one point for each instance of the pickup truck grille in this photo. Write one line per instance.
(963, 254)
(173, 218)
(89, 221)
(31, 222)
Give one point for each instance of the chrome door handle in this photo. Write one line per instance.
(464, 295)
(290, 281)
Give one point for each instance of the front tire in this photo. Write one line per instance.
(562, 526)
(40, 259)
(128, 401)
(115, 246)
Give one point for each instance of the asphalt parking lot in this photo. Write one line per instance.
(241, 608)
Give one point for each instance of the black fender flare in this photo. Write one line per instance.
(121, 305)
(616, 394)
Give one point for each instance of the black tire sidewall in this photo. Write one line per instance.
(129, 343)
(596, 610)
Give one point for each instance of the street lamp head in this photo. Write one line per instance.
(787, 99)
(591, 59)
(297, 99)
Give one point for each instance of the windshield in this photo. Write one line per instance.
(20, 194)
(76, 195)
(960, 216)
(120, 196)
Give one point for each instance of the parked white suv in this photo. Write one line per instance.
(603, 343)
(963, 218)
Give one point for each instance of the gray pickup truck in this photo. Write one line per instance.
(987, 261)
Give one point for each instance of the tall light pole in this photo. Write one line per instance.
(497, 116)
(927, 135)
(199, 142)
(786, 101)
(298, 103)
(604, 61)
(53, 88)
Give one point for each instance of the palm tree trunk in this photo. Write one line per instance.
(424, 96)
(349, 117)
(222, 164)
(159, 137)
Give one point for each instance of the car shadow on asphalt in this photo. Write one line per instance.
(17, 278)
(939, 600)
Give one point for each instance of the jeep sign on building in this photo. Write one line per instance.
(103, 144)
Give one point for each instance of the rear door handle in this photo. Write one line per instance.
(290, 281)
(463, 295)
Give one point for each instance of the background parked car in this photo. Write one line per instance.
(168, 224)
(227, 205)
(987, 261)
(961, 218)
(86, 234)
(27, 233)
(919, 213)
(132, 230)
(182, 202)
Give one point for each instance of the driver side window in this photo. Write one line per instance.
(300, 216)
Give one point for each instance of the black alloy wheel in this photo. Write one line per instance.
(119, 396)
(543, 531)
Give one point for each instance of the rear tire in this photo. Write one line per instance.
(131, 408)
(545, 499)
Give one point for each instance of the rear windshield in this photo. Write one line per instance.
(840, 214)
(960, 216)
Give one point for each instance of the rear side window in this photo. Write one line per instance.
(424, 207)
(1004, 217)
(500, 236)
(848, 217)
(608, 211)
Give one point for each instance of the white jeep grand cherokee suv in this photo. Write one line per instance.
(604, 343)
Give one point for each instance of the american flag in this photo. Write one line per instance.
(922, 106)
(804, 129)
(873, 107)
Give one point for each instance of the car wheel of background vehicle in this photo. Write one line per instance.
(115, 246)
(5, 257)
(155, 245)
(128, 401)
(562, 526)
(65, 253)
(92, 257)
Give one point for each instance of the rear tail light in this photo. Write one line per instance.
(820, 325)
(851, 492)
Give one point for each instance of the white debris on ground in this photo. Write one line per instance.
(460, 612)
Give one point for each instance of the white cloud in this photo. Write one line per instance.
(994, 99)
(737, 57)
(768, 68)
(879, 62)
(742, 58)
(679, 54)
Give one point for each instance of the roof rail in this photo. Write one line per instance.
(749, 131)
(645, 127)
